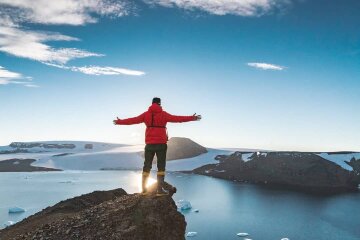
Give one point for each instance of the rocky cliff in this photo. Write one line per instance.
(306, 171)
(104, 215)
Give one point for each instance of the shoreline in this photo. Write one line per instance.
(23, 165)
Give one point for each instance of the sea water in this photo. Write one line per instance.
(225, 208)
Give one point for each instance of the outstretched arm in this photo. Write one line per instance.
(179, 119)
(130, 121)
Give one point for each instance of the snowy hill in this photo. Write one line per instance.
(82, 155)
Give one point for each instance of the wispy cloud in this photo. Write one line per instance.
(69, 12)
(32, 45)
(223, 7)
(9, 77)
(266, 66)
(97, 70)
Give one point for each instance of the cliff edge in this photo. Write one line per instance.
(109, 215)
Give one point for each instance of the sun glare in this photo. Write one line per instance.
(150, 182)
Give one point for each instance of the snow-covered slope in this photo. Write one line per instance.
(100, 156)
(126, 157)
(340, 158)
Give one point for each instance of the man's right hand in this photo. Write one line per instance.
(115, 121)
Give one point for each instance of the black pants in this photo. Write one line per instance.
(150, 151)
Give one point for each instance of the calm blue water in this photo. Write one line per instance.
(226, 208)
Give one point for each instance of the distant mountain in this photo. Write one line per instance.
(181, 148)
(307, 171)
(108, 215)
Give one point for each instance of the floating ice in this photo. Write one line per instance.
(191, 234)
(183, 205)
(285, 239)
(16, 210)
(242, 234)
(196, 210)
(9, 223)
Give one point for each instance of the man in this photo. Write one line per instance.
(156, 139)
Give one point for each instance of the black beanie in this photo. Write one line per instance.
(156, 100)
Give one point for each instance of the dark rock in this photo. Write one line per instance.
(22, 165)
(88, 146)
(62, 154)
(17, 150)
(105, 215)
(42, 145)
(355, 164)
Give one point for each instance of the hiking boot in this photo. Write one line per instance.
(160, 181)
(145, 176)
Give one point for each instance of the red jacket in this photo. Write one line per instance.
(155, 120)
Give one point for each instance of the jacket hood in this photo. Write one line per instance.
(155, 108)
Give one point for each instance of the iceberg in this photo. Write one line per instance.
(183, 205)
(285, 239)
(242, 234)
(16, 210)
(191, 234)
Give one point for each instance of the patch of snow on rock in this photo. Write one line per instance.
(340, 159)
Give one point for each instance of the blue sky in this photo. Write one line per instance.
(267, 74)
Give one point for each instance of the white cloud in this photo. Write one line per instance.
(24, 43)
(31, 44)
(266, 66)
(223, 7)
(9, 77)
(6, 74)
(97, 70)
(72, 12)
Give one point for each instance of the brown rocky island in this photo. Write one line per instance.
(22, 165)
(104, 215)
(294, 170)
